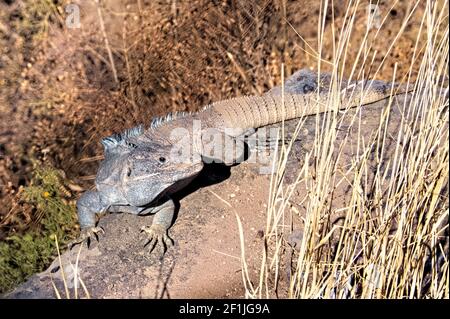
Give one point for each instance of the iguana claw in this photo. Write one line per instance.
(86, 235)
(157, 233)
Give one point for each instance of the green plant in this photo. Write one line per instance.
(24, 255)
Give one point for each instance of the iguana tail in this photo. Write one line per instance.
(255, 111)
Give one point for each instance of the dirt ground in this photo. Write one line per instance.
(59, 95)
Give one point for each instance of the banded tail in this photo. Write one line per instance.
(255, 111)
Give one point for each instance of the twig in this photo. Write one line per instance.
(108, 49)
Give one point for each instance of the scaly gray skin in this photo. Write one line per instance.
(141, 169)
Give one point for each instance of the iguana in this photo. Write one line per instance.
(142, 167)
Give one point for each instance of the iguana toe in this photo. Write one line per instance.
(157, 234)
(86, 235)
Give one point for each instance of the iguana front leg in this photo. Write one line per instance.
(88, 205)
(158, 231)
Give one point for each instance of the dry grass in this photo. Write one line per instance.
(74, 282)
(392, 239)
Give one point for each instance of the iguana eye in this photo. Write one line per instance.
(162, 159)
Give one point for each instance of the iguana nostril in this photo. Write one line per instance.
(129, 172)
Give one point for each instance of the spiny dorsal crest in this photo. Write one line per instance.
(115, 140)
(158, 121)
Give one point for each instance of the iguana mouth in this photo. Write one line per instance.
(141, 177)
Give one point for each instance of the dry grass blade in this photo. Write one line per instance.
(392, 238)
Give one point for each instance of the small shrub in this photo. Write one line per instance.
(23, 255)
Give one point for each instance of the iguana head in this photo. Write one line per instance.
(142, 169)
